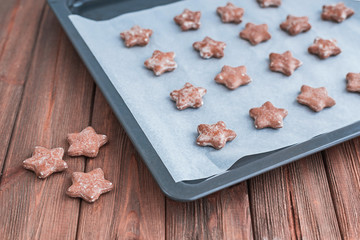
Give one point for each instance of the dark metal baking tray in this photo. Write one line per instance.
(243, 169)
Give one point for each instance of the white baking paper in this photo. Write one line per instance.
(173, 132)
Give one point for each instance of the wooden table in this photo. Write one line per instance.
(46, 92)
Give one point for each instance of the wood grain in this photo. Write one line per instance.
(271, 206)
(312, 206)
(294, 202)
(223, 215)
(343, 167)
(18, 33)
(135, 209)
(57, 100)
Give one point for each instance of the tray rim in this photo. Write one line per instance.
(183, 191)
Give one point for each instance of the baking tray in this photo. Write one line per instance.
(243, 169)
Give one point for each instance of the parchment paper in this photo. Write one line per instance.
(173, 132)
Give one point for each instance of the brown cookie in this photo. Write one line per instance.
(255, 34)
(161, 62)
(214, 135)
(269, 3)
(324, 48)
(284, 63)
(136, 36)
(336, 12)
(188, 20)
(233, 77)
(295, 25)
(188, 96)
(210, 48)
(353, 82)
(86, 143)
(268, 116)
(46, 161)
(89, 186)
(315, 98)
(230, 13)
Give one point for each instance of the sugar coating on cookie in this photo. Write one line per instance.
(284, 63)
(188, 96)
(136, 36)
(233, 77)
(255, 34)
(161, 62)
(315, 98)
(269, 3)
(230, 13)
(336, 12)
(89, 186)
(46, 161)
(353, 82)
(295, 25)
(268, 116)
(86, 143)
(188, 20)
(210, 48)
(214, 135)
(324, 48)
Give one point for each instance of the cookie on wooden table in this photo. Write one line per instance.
(86, 143)
(46, 161)
(89, 186)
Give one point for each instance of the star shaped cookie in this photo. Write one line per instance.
(255, 34)
(284, 63)
(86, 143)
(336, 12)
(324, 48)
(315, 98)
(268, 116)
(269, 3)
(214, 135)
(353, 82)
(210, 48)
(136, 36)
(89, 186)
(233, 77)
(230, 13)
(188, 96)
(188, 20)
(295, 25)
(161, 62)
(45, 161)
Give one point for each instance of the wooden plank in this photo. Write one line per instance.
(57, 100)
(223, 215)
(312, 205)
(294, 202)
(343, 168)
(18, 33)
(135, 209)
(271, 206)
